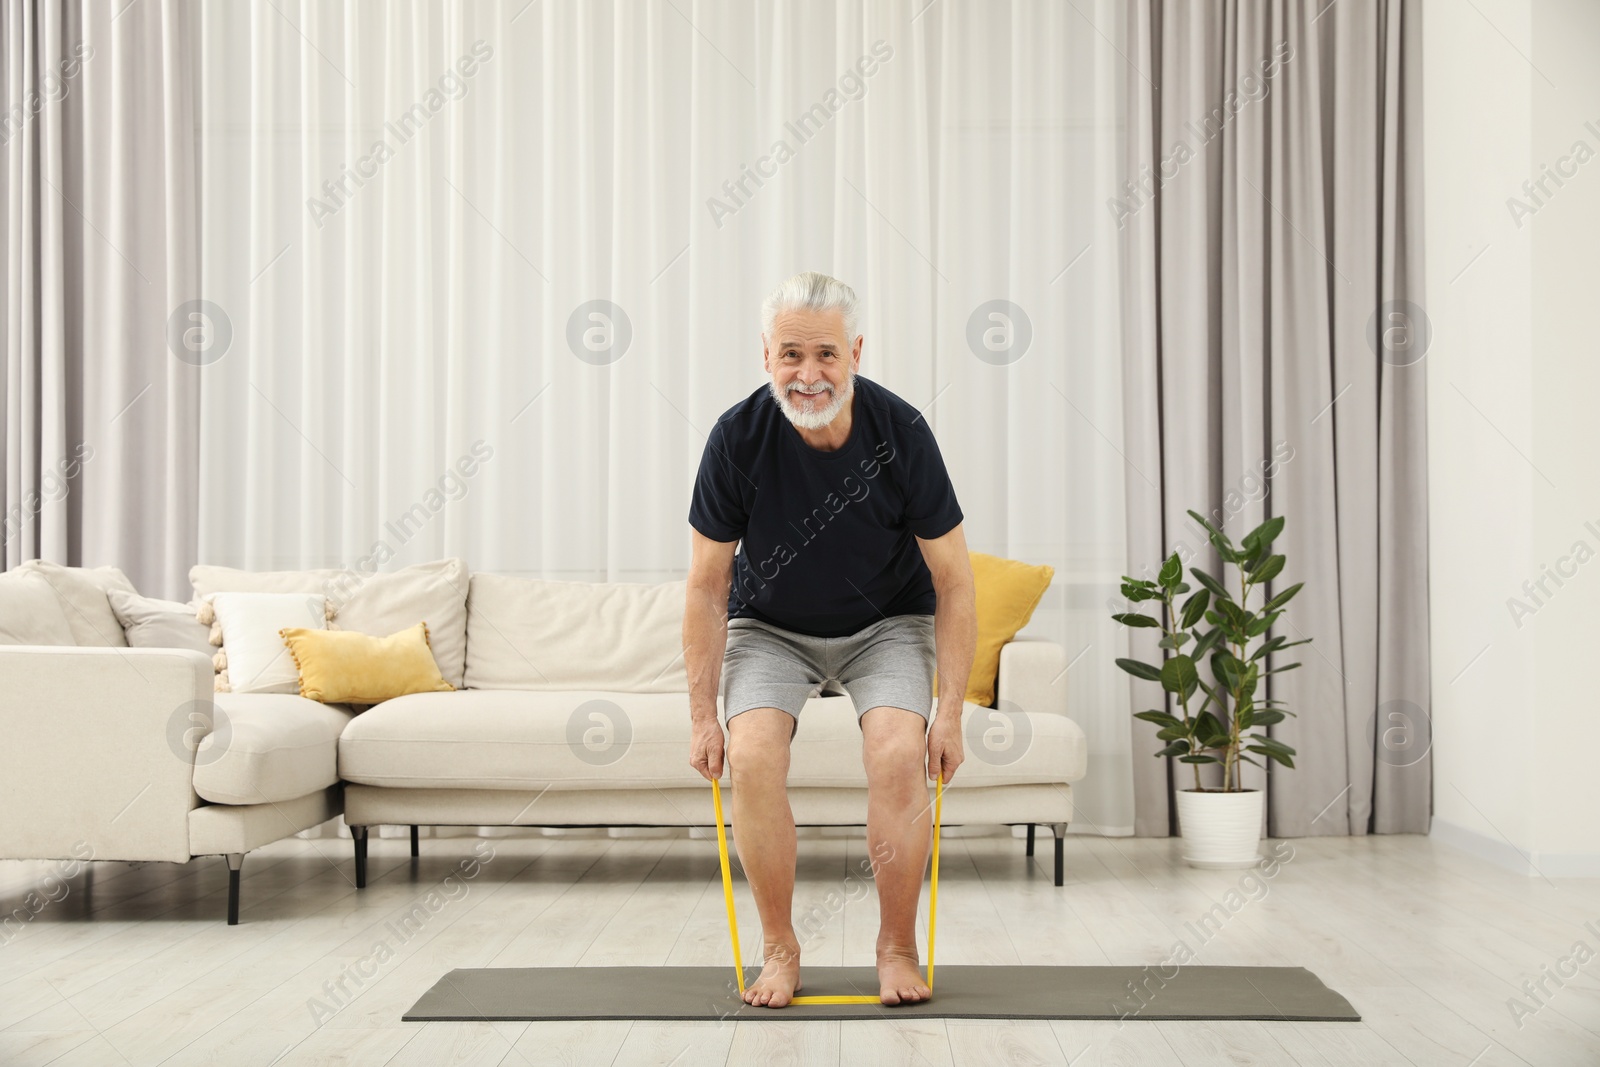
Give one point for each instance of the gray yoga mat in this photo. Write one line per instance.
(1290, 994)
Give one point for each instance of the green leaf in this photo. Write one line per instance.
(1209, 582)
(1266, 717)
(1172, 733)
(1207, 642)
(1208, 729)
(1233, 613)
(1271, 744)
(1175, 642)
(1280, 670)
(1280, 757)
(1171, 572)
(1263, 536)
(1134, 619)
(1267, 570)
(1203, 521)
(1261, 624)
(1283, 598)
(1137, 589)
(1227, 668)
(1140, 670)
(1161, 718)
(1267, 647)
(1178, 675)
(1247, 759)
(1199, 759)
(1225, 549)
(1194, 609)
(1247, 683)
(1177, 748)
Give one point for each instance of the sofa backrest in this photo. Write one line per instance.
(80, 596)
(530, 633)
(31, 612)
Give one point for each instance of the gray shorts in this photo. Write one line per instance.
(886, 663)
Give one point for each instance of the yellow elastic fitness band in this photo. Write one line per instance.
(733, 922)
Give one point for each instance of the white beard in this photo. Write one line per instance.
(816, 418)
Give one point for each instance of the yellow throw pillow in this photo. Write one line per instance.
(345, 667)
(1006, 591)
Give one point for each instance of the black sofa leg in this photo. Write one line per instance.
(1060, 830)
(235, 861)
(415, 852)
(1030, 839)
(359, 834)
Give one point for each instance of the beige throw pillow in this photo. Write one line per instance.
(253, 652)
(435, 593)
(82, 592)
(152, 623)
(30, 611)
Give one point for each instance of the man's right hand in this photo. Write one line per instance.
(705, 639)
(705, 748)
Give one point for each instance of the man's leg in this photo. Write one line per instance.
(764, 835)
(899, 822)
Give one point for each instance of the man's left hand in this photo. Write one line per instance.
(945, 751)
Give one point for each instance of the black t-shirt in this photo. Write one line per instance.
(829, 537)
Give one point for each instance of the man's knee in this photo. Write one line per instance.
(894, 753)
(758, 744)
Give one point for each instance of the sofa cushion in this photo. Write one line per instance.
(545, 636)
(434, 593)
(487, 739)
(268, 747)
(82, 591)
(152, 623)
(256, 658)
(31, 611)
(372, 604)
(342, 667)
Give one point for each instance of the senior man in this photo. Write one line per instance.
(853, 568)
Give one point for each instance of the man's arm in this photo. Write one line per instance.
(705, 621)
(955, 621)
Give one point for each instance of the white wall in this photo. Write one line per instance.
(1508, 87)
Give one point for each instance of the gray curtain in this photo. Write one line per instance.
(1272, 229)
(99, 402)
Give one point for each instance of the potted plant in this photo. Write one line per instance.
(1217, 627)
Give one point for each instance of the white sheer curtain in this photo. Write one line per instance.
(411, 210)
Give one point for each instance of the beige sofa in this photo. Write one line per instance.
(571, 711)
(575, 713)
(119, 753)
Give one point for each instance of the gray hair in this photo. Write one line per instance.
(813, 291)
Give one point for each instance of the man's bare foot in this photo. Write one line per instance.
(899, 977)
(780, 977)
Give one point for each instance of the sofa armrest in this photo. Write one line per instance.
(1033, 675)
(98, 751)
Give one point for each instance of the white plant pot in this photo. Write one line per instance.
(1220, 830)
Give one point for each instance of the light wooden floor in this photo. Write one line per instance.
(135, 966)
